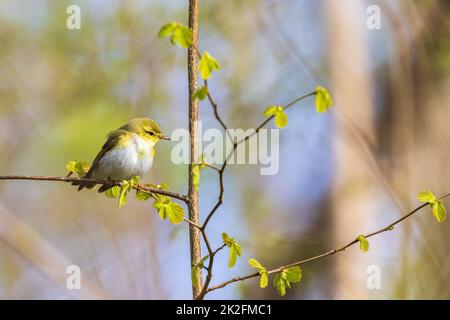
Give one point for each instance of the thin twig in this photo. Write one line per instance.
(325, 254)
(235, 145)
(211, 167)
(209, 268)
(192, 223)
(107, 182)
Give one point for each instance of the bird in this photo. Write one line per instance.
(127, 152)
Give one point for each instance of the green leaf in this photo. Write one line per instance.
(70, 166)
(264, 279)
(438, 211)
(281, 119)
(280, 284)
(79, 167)
(323, 99)
(226, 239)
(168, 29)
(196, 176)
(179, 34)
(272, 111)
(363, 243)
(168, 209)
(255, 264)
(285, 277)
(161, 205)
(113, 192)
(134, 182)
(142, 195)
(293, 274)
(123, 193)
(208, 64)
(232, 258)
(175, 213)
(197, 266)
(426, 196)
(200, 93)
(235, 249)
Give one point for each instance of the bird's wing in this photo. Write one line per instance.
(113, 139)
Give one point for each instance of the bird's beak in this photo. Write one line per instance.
(164, 137)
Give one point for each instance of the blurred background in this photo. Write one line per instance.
(343, 173)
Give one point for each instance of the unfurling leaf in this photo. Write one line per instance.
(255, 264)
(281, 119)
(197, 266)
(235, 249)
(168, 29)
(293, 274)
(161, 203)
(79, 167)
(437, 208)
(200, 93)
(142, 195)
(284, 278)
(179, 34)
(168, 209)
(363, 243)
(113, 192)
(123, 193)
(323, 99)
(280, 284)
(134, 182)
(272, 111)
(208, 64)
(438, 211)
(264, 279)
(426, 196)
(196, 176)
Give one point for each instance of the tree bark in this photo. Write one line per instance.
(194, 233)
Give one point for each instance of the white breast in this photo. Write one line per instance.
(135, 159)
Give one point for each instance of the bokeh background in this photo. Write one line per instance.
(341, 174)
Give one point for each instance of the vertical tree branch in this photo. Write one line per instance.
(194, 233)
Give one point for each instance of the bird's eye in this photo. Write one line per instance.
(150, 133)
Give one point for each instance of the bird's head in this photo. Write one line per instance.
(145, 128)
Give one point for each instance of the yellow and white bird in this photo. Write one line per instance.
(127, 152)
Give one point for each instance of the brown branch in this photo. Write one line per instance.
(214, 106)
(111, 183)
(325, 254)
(205, 286)
(209, 269)
(192, 70)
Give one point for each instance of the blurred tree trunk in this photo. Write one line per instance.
(419, 124)
(353, 194)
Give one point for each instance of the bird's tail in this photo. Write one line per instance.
(104, 187)
(83, 184)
